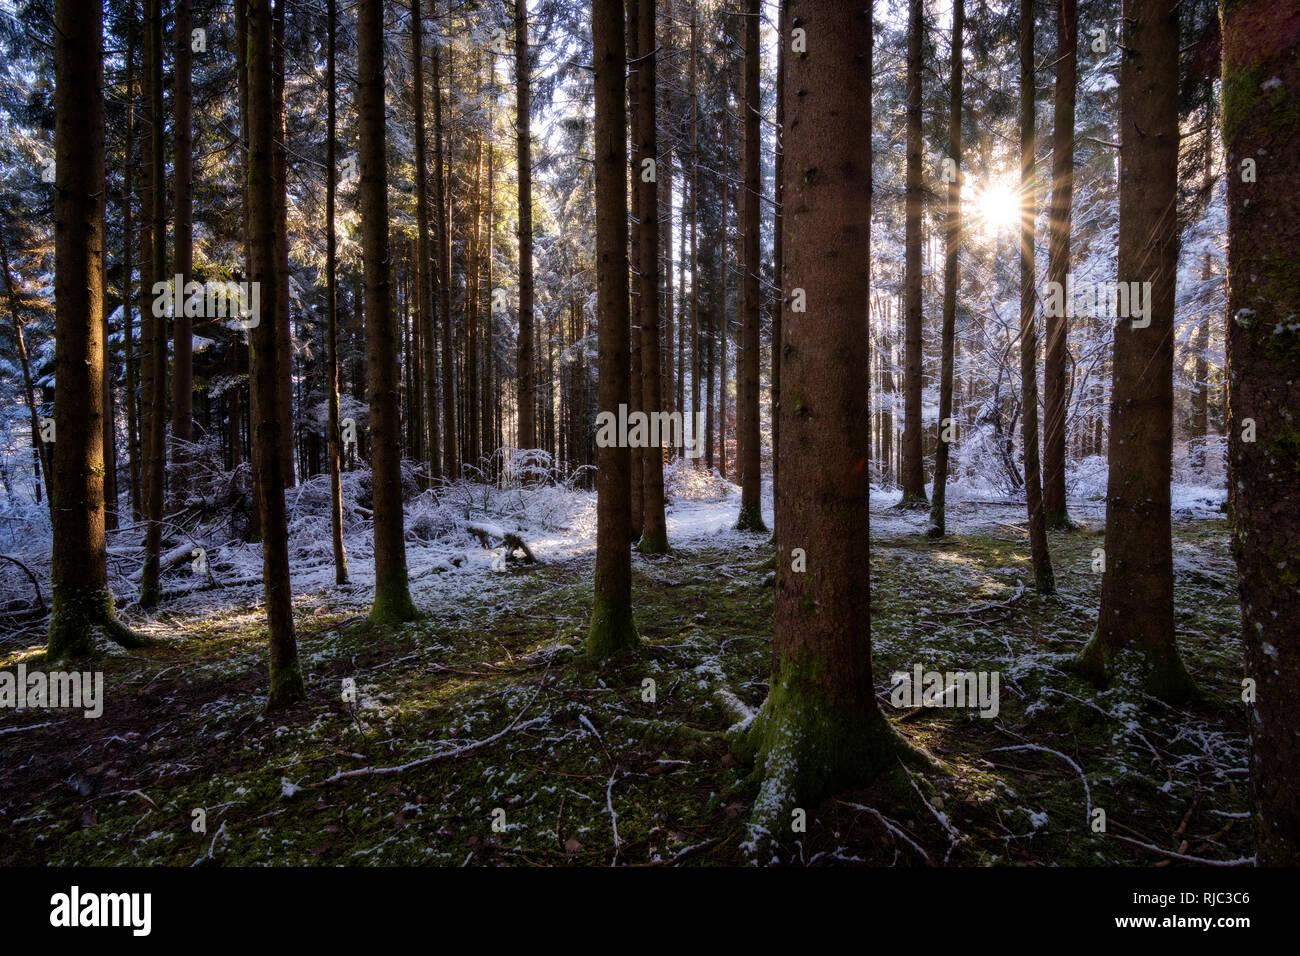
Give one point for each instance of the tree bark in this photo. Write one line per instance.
(150, 591)
(284, 333)
(1137, 586)
(952, 250)
(820, 728)
(392, 601)
(1042, 561)
(1056, 514)
(913, 465)
(523, 111)
(82, 602)
(332, 303)
(751, 475)
(183, 237)
(654, 529)
(612, 629)
(1260, 122)
(264, 360)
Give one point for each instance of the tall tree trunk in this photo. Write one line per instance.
(778, 248)
(1260, 39)
(751, 475)
(612, 629)
(332, 302)
(264, 360)
(150, 592)
(1137, 586)
(448, 462)
(1058, 266)
(82, 600)
(820, 728)
(952, 250)
(524, 372)
(283, 315)
(635, 398)
(425, 252)
(473, 440)
(1042, 560)
(913, 322)
(128, 235)
(392, 591)
(183, 236)
(654, 530)
(696, 366)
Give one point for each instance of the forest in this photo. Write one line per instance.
(538, 433)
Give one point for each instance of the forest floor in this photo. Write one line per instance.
(479, 736)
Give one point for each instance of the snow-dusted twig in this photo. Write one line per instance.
(1240, 861)
(889, 825)
(613, 817)
(1087, 791)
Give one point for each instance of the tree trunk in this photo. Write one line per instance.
(1200, 430)
(612, 629)
(524, 359)
(284, 340)
(128, 234)
(264, 360)
(1261, 123)
(425, 252)
(751, 475)
(1042, 560)
(952, 250)
(183, 235)
(1137, 586)
(696, 365)
(654, 530)
(82, 601)
(778, 248)
(392, 592)
(150, 591)
(1058, 267)
(332, 304)
(448, 462)
(820, 728)
(913, 465)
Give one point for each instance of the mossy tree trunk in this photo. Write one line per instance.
(82, 601)
(952, 247)
(1137, 587)
(1261, 122)
(1042, 560)
(820, 728)
(264, 363)
(612, 629)
(392, 600)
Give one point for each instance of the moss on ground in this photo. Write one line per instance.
(495, 708)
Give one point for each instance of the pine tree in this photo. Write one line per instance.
(612, 629)
(1261, 125)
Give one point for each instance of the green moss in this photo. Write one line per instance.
(392, 603)
(76, 613)
(612, 630)
(656, 543)
(751, 519)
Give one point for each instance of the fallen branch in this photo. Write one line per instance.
(35, 583)
(980, 609)
(1240, 861)
(489, 533)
